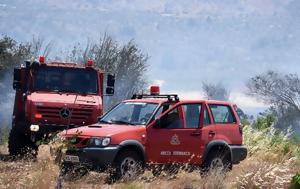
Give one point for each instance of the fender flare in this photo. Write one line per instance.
(214, 143)
(136, 144)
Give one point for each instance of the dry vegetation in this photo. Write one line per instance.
(271, 163)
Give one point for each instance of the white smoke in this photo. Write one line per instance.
(6, 100)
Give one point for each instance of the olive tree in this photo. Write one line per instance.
(276, 89)
(126, 61)
(215, 91)
(282, 92)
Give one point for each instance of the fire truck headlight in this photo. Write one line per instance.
(34, 128)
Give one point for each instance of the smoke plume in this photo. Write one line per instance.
(6, 100)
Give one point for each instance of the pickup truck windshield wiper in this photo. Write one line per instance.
(103, 121)
(67, 91)
(121, 122)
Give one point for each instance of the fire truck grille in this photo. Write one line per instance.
(80, 114)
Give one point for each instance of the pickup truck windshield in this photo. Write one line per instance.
(130, 113)
(58, 79)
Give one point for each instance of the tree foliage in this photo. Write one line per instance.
(282, 92)
(127, 62)
(276, 89)
(13, 53)
(264, 121)
(215, 91)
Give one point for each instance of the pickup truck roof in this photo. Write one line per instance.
(163, 100)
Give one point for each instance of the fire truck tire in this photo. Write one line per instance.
(19, 144)
(127, 166)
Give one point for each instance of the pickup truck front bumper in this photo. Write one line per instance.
(91, 157)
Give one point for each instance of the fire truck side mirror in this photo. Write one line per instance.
(110, 85)
(17, 78)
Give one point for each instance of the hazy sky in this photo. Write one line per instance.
(189, 42)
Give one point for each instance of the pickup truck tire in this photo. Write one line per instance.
(20, 145)
(127, 166)
(217, 159)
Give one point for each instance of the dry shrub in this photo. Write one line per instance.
(269, 145)
(27, 174)
(261, 174)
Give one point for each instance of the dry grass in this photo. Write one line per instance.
(267, 166)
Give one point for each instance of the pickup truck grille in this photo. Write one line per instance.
(78, 141)
(77, 114)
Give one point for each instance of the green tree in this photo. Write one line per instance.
(282, 92)
(215, 91)
(126, 61)
(13, 53)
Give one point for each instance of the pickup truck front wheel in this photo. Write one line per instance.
(128, 165)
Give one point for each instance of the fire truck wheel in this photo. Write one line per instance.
(20, 145)
(218, 160)
(128, 166)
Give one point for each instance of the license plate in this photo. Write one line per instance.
(72, 158)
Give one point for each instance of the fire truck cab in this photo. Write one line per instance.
(54, 96)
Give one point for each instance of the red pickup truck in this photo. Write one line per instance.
(158, 130)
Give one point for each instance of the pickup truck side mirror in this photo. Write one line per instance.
(157, 124)
(17, 78)
(110, 85)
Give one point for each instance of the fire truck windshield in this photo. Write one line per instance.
(130, 113)
(59, 79)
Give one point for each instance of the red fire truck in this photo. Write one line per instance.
(54, 96)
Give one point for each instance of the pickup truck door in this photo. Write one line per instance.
(226, 123)
(177, 136)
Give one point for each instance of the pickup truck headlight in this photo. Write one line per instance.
(105, 141)
(99, 141)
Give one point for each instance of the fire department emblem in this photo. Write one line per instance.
(65, 112)
(175, 140)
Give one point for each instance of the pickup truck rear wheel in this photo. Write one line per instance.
(217, 160)
(128, 165)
